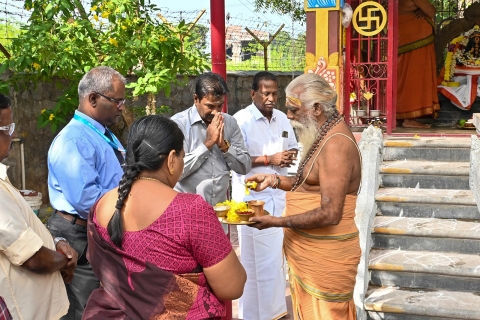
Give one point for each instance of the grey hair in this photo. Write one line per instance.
(99, 80)
(311, 89)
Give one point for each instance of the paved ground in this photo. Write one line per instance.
(234, 240)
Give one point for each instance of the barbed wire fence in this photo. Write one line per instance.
(245, 49)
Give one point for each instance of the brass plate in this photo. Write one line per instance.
(225, 221)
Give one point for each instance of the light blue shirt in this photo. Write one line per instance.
(81, 167)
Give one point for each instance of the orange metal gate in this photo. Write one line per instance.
(371, 63)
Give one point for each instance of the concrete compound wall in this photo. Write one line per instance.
(28, 103)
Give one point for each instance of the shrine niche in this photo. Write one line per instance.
(453, 29)
(462, 69)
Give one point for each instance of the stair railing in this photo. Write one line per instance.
(371, 149)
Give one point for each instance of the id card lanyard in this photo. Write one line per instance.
(115, 144)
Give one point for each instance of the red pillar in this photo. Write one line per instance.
(219, 65)
(217, 27)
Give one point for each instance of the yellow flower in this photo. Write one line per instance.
(113, 41)
(95, 17)
(124, 28)
(162, 38)
(231, 215)
(94, 8)
(44, 110)
(105, 14)
(457, 40)
(448, 66)
(52, 116)
(36, 66)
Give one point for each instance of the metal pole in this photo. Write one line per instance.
(217, 27)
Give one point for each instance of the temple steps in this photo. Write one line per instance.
(427, 210)
(430, 196)
(430, 149)
(440, 175)
(425, 270)
(397, 303)
(424, 263)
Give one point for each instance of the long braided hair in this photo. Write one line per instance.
(150, 140)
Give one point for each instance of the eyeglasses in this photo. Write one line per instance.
(8, 130)
(118, 102)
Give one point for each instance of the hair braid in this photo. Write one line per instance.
(115, 226)
(150, 140)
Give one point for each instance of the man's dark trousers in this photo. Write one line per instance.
(84, 280)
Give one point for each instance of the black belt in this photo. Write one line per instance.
(73, 218)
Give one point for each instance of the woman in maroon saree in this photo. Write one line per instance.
(159, 254)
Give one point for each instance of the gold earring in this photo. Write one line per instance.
(172, 171)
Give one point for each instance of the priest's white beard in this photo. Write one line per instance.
(307, 133)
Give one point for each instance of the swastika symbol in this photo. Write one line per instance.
(373, 21)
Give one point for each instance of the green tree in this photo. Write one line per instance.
(293, 8)
(8, 32)
(64, 40)
(197, 37)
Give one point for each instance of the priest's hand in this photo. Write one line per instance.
(263, 181)
(264, 222)
(419, 14)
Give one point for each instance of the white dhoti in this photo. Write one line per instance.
(261, 251)
(261, 254)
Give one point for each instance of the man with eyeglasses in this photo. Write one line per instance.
(33, 263)
(84, 162)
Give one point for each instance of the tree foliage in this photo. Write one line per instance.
(9, 31)
(64, 40)
(293, 8)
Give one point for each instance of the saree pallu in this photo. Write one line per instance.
(323, 262)
(416, 72)
(149, 293)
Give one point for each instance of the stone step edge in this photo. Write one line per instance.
(442, 263)
(426, 227)
(444, 143)
(434, 303)
(423, 196)
(418, 168)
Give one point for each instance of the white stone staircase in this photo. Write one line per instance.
(424, 261)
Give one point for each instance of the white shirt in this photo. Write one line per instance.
(263, 138)
(28, 295)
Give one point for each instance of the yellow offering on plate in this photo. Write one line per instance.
(231, 215)
(250, 185)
